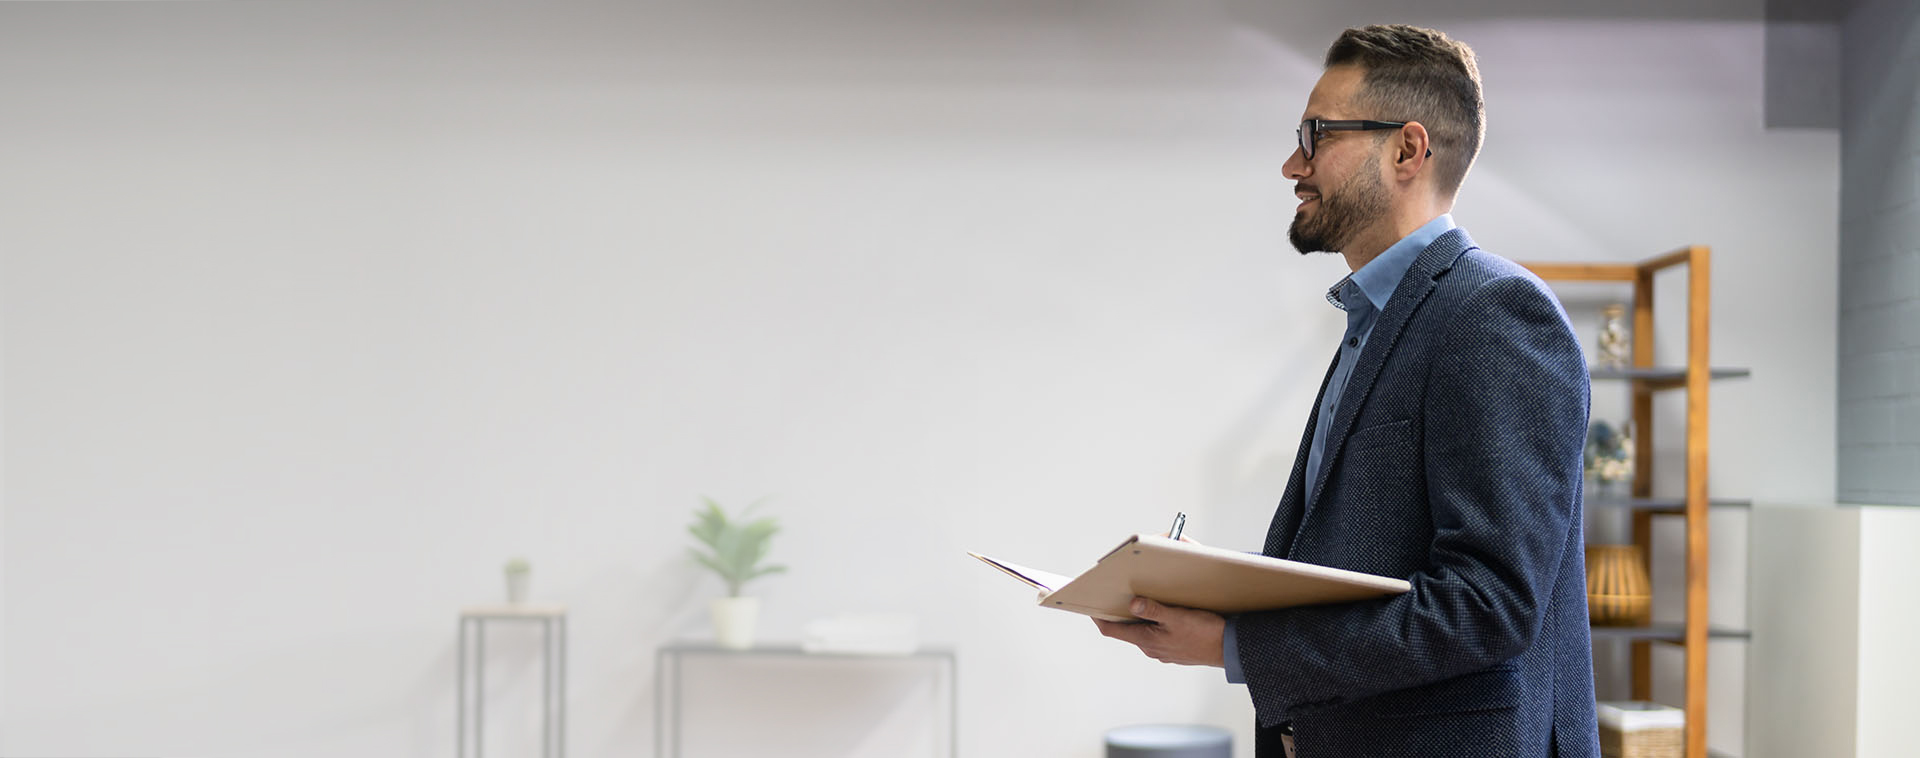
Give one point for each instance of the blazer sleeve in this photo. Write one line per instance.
(1505, 416)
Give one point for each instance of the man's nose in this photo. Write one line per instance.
(1297, 167)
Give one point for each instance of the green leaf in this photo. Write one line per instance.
(767, 571)
(736, 547)
(708, 524)
(709, 562)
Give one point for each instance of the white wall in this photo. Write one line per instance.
(1889, 687)
(1806, 624)
(1834, 660)
(316, 314)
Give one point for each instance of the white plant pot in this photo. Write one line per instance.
(733, 620)
(517, 582)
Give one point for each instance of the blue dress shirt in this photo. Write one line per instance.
(1363, 295)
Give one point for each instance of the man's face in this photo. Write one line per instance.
(1341, 192)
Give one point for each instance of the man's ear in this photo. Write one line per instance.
(1412, 149)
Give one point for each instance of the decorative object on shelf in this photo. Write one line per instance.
(1639, 729)
(862, 634)
(1616, 343)
(1609, 453)
(1618, 590)
(735, 551)
(519, 576)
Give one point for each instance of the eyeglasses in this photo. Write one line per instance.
(1310, 129)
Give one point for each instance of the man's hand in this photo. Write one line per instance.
(1178, 635)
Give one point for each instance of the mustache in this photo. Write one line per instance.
(1298, 188)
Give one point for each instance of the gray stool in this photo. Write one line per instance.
(1169, 741)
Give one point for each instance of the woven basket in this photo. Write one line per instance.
(1641, 730)
(1618, 591)
(1646, 743)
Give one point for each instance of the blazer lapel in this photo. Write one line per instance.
(1407, 297)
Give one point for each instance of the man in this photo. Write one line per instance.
(1444, 448)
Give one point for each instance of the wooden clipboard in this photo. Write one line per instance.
(1190, 575)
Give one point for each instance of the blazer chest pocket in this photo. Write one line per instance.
(1381, 435)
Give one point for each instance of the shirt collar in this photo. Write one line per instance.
(1381, 276)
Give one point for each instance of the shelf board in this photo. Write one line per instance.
(1664, 377)
(1662, 504)
(1665, 633)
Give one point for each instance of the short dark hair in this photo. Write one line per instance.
(1415, 74)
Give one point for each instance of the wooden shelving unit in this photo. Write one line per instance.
(1645, 381)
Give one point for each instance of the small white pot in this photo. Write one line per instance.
(517, 582)
(733, 621)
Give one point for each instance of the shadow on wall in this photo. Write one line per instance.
(831, 707)
(605, 611)
(425, 702)
(675, 578)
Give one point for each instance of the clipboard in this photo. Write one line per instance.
(1191, 575)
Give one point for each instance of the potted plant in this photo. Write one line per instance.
(519, 572)
(735, 549)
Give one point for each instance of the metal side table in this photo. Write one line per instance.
(553, 669)
(666, 697)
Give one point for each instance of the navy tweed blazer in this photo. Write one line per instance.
(1453, 462)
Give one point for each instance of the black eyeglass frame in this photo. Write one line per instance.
(1308, 132)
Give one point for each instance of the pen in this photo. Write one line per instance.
(1179, 524)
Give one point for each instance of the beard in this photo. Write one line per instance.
(1355, 204)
